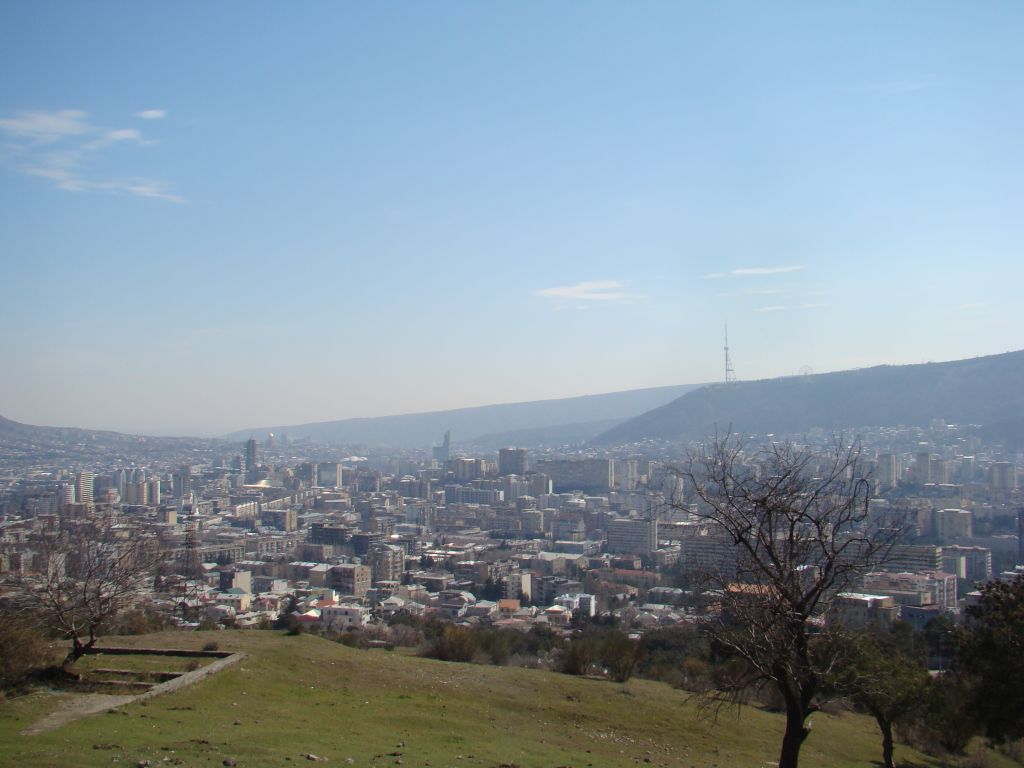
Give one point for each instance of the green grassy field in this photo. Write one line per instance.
(87, 664)
(299, 695)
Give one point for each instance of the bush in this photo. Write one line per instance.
(138, 621)
(945, 723)
(1013, 750)
(679, 656)
(453, 644)
(620, 655)
(211, 646)
(24, 650)
(607, 652)
(405, 636)
(580, 657)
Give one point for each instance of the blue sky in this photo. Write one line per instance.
(219, 215)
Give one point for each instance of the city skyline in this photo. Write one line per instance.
(213, 217)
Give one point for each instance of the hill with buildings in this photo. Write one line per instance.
(15, 431)
(23, 445)
(986, 391)
(417, 430)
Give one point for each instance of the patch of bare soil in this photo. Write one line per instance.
(74, 708)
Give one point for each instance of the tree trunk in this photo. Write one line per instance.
(885, 726)
(78, 649)
(795, 734)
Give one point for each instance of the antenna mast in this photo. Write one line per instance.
(730, 374)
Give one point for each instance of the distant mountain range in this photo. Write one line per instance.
(14, 431)
(565, 420)
(987, 391)
(983, 391)
(25, 444)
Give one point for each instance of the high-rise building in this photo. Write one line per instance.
(514, 487)
(387, 562)
(632, 536)
(1004, 476)
(888, 470)
(540, 484)
(627, 474)
(443, 452)
(1020, 536)
(119, 478)
(920, 470)
(329, 474)
(84, 487)
(938, 470)
(915, 558)
(182, 483)
(972, 563)
(512, 461)
(588, 475)
(250, 460)
(136, 493)
(953, 524)
(349, 579)
(467, 469)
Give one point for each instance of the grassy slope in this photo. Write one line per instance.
(297, 695)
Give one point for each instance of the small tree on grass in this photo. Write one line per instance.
(799, 525)
(83, 579)
(992, 655)
(880, 675)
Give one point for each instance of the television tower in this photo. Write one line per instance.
(730, 374)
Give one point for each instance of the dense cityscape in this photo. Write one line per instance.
(514, 538)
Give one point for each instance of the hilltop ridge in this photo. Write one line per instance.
(986, 391)
(574, 414)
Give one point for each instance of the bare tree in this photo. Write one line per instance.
(84, 576)
(800, 529)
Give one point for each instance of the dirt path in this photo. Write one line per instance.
(84, 704)
(78, 706)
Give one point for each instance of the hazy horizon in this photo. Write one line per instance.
(257, 425)
(216, 217)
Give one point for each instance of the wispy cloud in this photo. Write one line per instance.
(588, 291)
(64, 148)
(780, 269)
(751, 292)
(113, 137)
(787, 307)
(151, 114)
(46, 127)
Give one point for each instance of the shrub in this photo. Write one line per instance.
(453, 644)
(945, 724)
(24, 650)
(405, 636)
(138, 621)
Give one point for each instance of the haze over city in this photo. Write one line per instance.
(219, 216)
